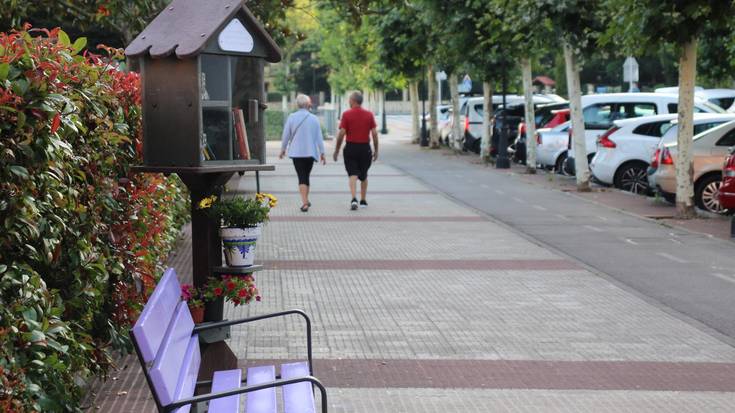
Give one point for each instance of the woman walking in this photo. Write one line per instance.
(302, 139)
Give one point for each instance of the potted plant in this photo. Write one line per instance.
(240, 220)
(195, 301)
(237, 289)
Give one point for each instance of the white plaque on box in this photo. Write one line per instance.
(236, 38)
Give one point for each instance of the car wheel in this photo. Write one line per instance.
(633, 177)
(559, 166)
(706, 194)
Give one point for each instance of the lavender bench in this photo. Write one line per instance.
(167, 343)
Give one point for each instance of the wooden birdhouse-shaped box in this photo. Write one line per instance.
(199, 60)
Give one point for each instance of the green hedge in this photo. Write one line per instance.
(274, 120)
(82, 239)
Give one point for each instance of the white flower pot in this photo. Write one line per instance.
(239, 245)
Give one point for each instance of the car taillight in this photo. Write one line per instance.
(654, 160)
(466, 123)
(605, 141)
(729, 169)
(538, 138)
(666, 158)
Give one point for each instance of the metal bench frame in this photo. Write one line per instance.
(247, 389)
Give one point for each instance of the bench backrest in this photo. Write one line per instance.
(163, 335)
(156, 315)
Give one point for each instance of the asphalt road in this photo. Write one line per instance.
(691, 274)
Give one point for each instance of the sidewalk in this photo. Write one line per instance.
(422, 304)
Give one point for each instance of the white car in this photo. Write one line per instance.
(551, 146)
(724, 98)
(625, 150)
(600, 111)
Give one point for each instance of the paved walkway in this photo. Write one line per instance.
(423, 304)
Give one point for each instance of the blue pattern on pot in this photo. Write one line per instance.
(239, 245)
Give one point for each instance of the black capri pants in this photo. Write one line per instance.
(303, 169)
(358, 158)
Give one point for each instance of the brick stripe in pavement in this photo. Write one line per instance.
(521, 374)
(362, 218)
(460, 264)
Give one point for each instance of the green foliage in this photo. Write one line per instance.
(274, 121)
(403, 41)
(639, 24)
(238, 212)
(81, 236)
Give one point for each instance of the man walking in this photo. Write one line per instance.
(357, 126)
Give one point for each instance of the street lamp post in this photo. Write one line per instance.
(502, 161)
(384, 128)
(424, 140)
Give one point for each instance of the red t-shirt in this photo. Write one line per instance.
(358, 123)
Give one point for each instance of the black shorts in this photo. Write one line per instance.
(303, 169)
(358, 158)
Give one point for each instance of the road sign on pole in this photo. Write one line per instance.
(630, 71)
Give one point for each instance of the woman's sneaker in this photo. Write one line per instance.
(353, 204)
(363, 204)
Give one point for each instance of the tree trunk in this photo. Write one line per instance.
(284, 103)
(413, 89)
(575, 106)
(530, 116)
(456, 125)
(487, 114)
(684, 168)
(433, 130)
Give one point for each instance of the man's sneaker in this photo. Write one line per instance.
(363, 204)
(353, 205)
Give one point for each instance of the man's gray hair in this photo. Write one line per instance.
(357, 97)
(303, 101)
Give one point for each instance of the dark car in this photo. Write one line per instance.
(510, 117)
(546, 116)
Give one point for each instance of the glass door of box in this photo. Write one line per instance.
(216, 97)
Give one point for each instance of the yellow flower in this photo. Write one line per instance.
(207, 202)
(263, 197)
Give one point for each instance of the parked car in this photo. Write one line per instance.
(727, 188)
(709, 150)
(724, 98)
(551, 146)
(547, 116)
(473, 110)
(600, 111)
(625, 150)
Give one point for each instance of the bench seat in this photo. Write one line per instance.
(223, 381)
(166, 341)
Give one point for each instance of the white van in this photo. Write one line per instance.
(600, 111)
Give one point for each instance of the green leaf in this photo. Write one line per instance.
(4, 70)
(80, 44)
(3, 268)
(19, 171)
(29, 314)
(64, 38)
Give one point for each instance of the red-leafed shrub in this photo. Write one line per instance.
(82, 238)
